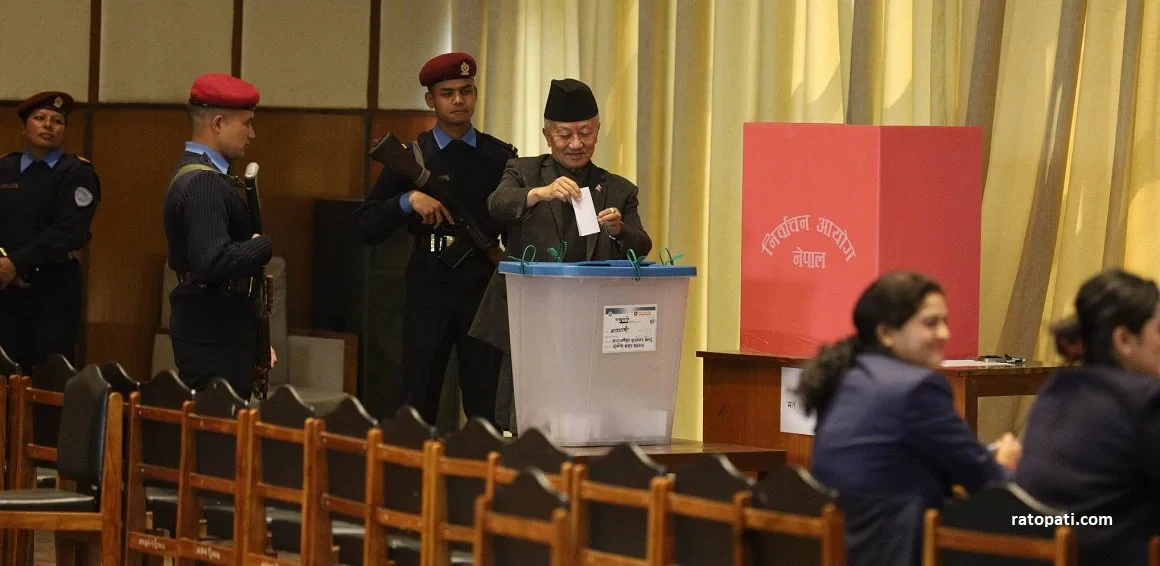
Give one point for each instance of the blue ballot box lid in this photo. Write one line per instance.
(610, 268)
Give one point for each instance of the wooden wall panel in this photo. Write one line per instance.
(303, 157)
(46, 47)
(134, 151)
(152, 51)
(413, 31)
(307, 54)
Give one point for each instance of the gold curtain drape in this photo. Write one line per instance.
(1065, 91)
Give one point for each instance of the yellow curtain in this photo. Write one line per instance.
(1065, 90)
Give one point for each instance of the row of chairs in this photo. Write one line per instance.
(341, 486)
(344, 488)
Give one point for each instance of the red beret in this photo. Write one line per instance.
(446, 67)
(53, 100)
(217, 90)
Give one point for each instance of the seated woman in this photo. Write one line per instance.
(888, 437)
(1093, 437)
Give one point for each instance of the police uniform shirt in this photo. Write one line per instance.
(46, 207)
(474, 165)
(207, 226)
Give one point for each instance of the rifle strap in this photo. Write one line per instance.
(190, 168)
(418, 154)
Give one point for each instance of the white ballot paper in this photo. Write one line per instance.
(585, 213)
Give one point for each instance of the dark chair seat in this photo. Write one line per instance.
(47, 500)
(162, 501)
(285, 526)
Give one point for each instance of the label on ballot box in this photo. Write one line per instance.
(630, 328)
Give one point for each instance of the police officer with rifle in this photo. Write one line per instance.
(216, 246)
(438, 187)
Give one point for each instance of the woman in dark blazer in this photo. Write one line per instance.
(1093, 437)
(888, 437)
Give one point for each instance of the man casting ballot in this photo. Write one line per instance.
(534, 201)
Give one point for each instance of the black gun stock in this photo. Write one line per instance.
(265, 296)
(390, 152)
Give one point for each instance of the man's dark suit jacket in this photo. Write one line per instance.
(892, 444)
(540, 225)
(1092, 447)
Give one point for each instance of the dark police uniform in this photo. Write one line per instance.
(46, 209)
(441, 300)
(213, 322)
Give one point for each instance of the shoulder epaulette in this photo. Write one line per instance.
(502, 144)
(83, 159)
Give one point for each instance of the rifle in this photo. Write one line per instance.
(390, 152)
(265, 297)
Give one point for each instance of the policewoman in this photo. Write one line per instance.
(47, 202)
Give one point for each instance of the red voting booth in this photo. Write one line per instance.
(827, 208)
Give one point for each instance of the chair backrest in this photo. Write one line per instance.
(154, 447)
(524, 522)
(343, 442)
(398, 496)
(217, 430)
(404, 483)
(706, 508)
(9, 380)
(119, 379)
(161, 441)
(51, 376)
(216, 451)
(281, 459)
(81, 446)
(460, 472)
(533, 450)
(793, 519)
(979, 531)
(280, 475)
(618, 507)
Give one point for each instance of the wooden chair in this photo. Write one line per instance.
(619, 509)
(461, 463)
(9, 371)
(34, 429)
(398, 495)
(1154, 551)
(341, 463)
(9, 376)
(282, 473)
(706, 514)
(533, 450)
(90, 459)
(36, 423)
(524, 522)
(214, 460)
(153, 467)
(795, 520)
(978, 531)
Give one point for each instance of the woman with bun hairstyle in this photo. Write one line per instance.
(888, 437)
(1093, 436)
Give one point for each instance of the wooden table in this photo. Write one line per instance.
(743, 397)
(680, 453)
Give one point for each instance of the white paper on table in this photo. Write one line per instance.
(585, 213)
(966, 364)
(793, 415)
